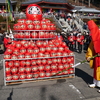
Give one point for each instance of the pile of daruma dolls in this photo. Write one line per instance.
(40, 58)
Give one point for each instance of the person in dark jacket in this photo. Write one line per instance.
(75, 41)
(1, 43)
(87, 40)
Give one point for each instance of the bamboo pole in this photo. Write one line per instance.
(75, 65)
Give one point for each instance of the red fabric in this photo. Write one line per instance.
(91, 24)
(94, 30)
(95, 35)
(6, 42)
(71, 38)
(68, 18)
(80, 39)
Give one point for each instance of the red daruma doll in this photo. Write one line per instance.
(21, 21)
(34, 12)
(23, 26)
(17, 26)
(30, 26)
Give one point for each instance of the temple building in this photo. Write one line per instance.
(48, 5)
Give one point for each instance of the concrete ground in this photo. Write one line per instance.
(59, 89)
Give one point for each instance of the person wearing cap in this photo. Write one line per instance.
(94, 49)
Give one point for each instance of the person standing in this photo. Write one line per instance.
(80, 39)
(87, 40)
(75, 41)
(2, 49)
(85, 26)
(94, 49)
(71, 39)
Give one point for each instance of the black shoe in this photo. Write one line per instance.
(85, 51)
(79, 52)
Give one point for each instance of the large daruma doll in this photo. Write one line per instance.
(34, 12)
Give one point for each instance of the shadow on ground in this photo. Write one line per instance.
(85, 76)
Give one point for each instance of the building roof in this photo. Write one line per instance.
(77, 8)
(92, 10)
(49, 1)
(4, 1)
(84, 9)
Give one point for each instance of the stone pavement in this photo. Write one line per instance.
(61, 89)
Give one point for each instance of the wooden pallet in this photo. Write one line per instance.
(42, 79)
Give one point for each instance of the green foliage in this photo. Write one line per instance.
(18, 5)
(4, 22)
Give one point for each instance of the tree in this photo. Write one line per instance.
(18, 5)
(89, 2)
